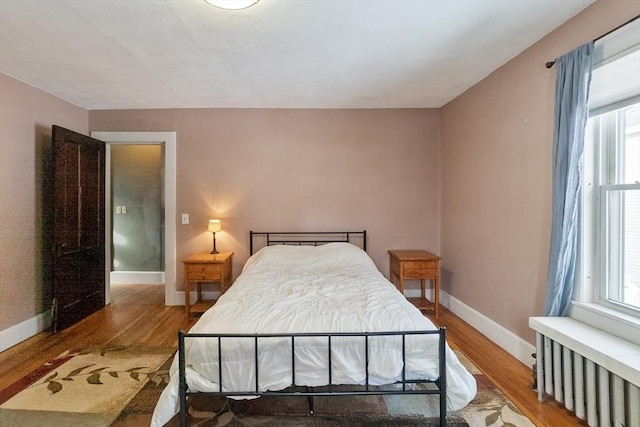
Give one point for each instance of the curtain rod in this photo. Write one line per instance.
(552, 63)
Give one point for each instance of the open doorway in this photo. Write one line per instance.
(167, 142)
(137, 214)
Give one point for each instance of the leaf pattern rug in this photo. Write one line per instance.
(119, 387)
(490, 407)
(90, 387)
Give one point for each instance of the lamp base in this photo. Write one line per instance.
(214, 250)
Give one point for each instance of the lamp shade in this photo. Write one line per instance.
(214, 226)
(232, 4)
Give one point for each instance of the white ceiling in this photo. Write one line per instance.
(112, 54)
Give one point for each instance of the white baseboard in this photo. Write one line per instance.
(506, 339)
(516, 346)
(20, 332)
(415, 293)
(137, 277)
(174, 298)
(178, 296)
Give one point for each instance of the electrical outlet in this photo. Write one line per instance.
(185, 218)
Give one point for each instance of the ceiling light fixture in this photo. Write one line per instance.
(232, 4)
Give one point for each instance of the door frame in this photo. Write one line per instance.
(168, 139)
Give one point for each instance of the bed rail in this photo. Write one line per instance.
(407, 386)
(311, 238)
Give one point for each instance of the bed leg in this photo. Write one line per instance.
(182, 386)
(442, 350)
(310, 400)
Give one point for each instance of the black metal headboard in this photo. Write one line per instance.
(311, 238)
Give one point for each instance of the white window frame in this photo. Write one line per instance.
(600, 153)
(590, 304)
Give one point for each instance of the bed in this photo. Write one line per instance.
(311, 315)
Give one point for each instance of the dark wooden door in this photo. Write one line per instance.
(79, 244)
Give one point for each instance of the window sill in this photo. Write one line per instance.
(618, 324)
(612, 353)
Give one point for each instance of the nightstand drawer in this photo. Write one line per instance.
(419, 272)
(204, 272)
(418, 264)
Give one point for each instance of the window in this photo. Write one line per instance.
(615, 147)
(607, 294)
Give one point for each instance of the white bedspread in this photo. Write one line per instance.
(293, 289)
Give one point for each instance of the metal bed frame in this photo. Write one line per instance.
(311, 238)
(404, 386)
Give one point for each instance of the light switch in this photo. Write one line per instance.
(185, 218)
(118, 209)
(124, 210)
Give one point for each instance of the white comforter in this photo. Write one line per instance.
(292, 289)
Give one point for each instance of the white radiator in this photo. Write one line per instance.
(591, 373)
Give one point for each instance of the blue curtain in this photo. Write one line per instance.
(570, 120)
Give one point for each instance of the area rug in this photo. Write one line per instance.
(489, 408)
(90, 387)
(119, 387)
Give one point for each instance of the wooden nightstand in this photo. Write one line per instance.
(205, 267)
(416, 264)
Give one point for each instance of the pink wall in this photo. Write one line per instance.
(278, 169)
(496, 144)
(327, 169)
(26, 116)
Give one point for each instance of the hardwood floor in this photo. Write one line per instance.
(137, 316)
(508, 373)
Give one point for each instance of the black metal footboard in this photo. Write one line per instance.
(404, 386)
